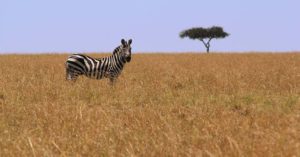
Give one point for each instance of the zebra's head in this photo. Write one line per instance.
(125, 51)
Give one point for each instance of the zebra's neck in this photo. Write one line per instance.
(117, 49)
(116, 55)
(119, 59)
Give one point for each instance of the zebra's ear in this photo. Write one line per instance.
(129, 41)
(123, 42)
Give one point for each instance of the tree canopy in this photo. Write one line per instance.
(204, 33)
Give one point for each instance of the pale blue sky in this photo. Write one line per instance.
(98, 26)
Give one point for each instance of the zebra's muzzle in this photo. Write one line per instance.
(128, 59)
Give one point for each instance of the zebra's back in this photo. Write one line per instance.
(79, 64)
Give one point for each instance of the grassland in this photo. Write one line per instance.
(162, 105)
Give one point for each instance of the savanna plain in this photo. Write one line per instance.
(162, 105)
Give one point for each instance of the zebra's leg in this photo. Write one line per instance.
(68, 74)
(72, 75)
(67, 71)
(112, 81)
(75, 75)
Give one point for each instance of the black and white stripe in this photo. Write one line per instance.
(108, 67)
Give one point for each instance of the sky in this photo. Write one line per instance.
(63, 26)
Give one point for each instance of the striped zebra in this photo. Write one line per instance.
(107, 67)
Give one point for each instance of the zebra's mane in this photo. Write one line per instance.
(117, 49)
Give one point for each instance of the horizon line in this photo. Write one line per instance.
(143, 52)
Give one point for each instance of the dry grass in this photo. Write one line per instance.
(162, 105)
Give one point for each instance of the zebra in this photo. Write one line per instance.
(107, 67)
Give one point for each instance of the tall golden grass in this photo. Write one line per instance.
(162, 105)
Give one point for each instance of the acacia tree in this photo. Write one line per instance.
(205, 35)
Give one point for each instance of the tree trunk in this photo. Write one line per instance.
(207, 49)
(206, 44)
